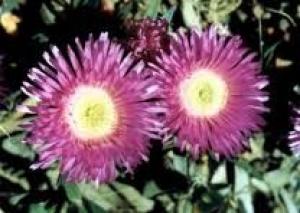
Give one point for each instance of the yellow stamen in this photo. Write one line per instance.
(204, 93)
(91, 113)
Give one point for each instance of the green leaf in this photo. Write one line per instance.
(289, 203)
(242, 189)
(140, 203)
(169, 14)
(40, 208)
(277, 179)
(219, 177)
(179, 163)
(64, 208)
(120, 195)
(91, 207)
(219, 10)
(8, 5)
(73, 194)
(152, 8)
(260, 185)
(47, 16)
(211, 200)
(125, 10)
(184, 206)
(53, 175)
(103, 196)
(14, 178)
(10, 123)
(190, 16)
(13, 145)
(256, 147)
(199, 173)
(151, 189)
(14, 200)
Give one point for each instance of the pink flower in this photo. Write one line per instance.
(94, 112)
(211, 88)
(295, 134)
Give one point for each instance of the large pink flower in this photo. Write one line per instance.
(211, 88)
(94, 112)
(295, 134)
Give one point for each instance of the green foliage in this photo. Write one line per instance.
(8, 5)
(191, 13)
(14, 146)
(108, 198)
(152, 8)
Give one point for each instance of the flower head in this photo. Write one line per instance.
(93, 112)
(211, 88)
(9, 22)
(295, 134)
(147, 37)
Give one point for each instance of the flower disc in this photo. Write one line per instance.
(91, 113)
(203, 94)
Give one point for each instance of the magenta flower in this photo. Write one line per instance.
(93, 112)
(147, 37)
(295, 134)
(211, 88)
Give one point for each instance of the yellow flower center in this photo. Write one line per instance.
(91, 113)
(204, 93)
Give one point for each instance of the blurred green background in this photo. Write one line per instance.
(264, 179)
